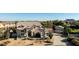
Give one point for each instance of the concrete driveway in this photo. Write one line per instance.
(58, 40)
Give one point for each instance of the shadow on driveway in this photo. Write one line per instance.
(67, 43)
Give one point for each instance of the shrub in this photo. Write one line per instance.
(75, 41)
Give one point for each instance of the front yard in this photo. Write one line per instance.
(26, 42)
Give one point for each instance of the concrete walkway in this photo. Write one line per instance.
(58, 40)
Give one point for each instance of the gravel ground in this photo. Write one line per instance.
(20, 42)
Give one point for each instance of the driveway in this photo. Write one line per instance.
(58, 40)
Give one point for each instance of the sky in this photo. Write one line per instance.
(37, 16)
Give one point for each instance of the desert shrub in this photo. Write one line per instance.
(2, 45)
(75, 41)
(24, 39)
(6, 42)
(50, 35)
(47, 41)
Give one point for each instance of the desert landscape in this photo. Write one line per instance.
(25, 42)
(39, 33)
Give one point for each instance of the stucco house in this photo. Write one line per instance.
(24, 29)
(30, 29)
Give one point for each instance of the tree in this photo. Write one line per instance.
(15, 31)
(47, 24)
(57, 22)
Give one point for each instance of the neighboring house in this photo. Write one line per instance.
(30, 29)
(59, 29)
